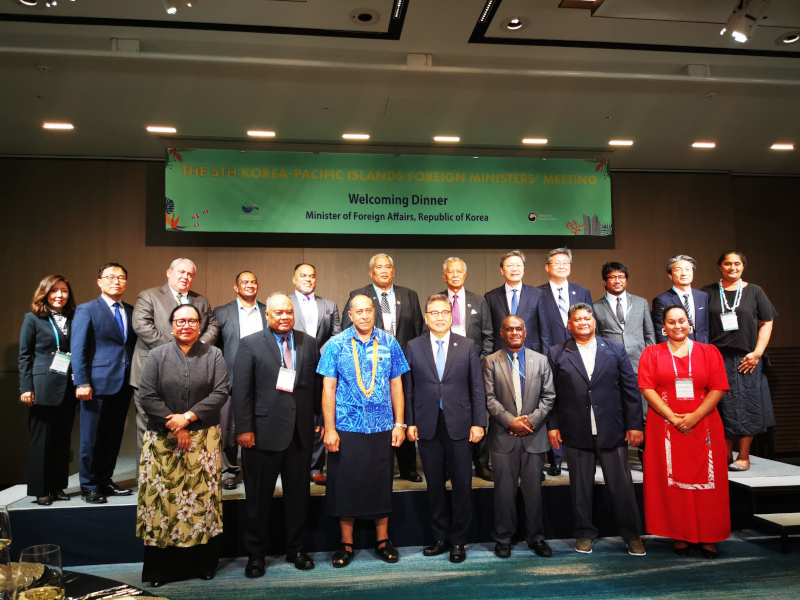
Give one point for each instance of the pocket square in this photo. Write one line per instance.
(474, 312)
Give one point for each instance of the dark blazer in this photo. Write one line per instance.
(612, 392)
(409, 314)
(259, 407)
(227, 317)
(460, 389)
(100, 357)
(478, 322)
(660, 302)
(37, 347)
(551, 327)
(635, 335)
(328, 323)
(537, 400)
(530, 310)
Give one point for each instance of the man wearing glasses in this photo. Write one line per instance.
(102, 349)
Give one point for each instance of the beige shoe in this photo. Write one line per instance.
(583, 545)
(636, 548)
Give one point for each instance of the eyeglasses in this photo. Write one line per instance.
(435, 313)
(560, 264)
(616, 278)
(184, 322)
(112, 278)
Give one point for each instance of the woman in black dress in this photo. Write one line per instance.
(741, 318)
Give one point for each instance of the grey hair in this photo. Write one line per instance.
(552, 253)
(671, 262)
(436, 298)
(508, 255)
(376, 257)
(453, 259)
(580, 306)
(273, 294)
(175, 262)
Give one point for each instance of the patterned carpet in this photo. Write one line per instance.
(747, 568)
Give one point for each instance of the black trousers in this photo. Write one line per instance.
(261, 469)
(50, 429)
(102, 427)
(406, 457)
(318, 451)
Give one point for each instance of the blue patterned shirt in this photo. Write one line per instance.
(354, 411)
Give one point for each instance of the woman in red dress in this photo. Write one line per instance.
(685, 466)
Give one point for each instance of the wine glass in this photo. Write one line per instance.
(40, 576)
(5, 526)
(6, 579)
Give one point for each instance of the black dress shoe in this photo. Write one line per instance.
(94, 496)
(554, 470)
(457, 553)
(208, 575)
(681, 551)
(709, 554)
(412, 476)
(44, 500)
(229, 482)
(541, 548)
(502, 550)
(436, 549)
(301, 561)
(112, 489)
(255, 567)
(485, 474)
(59, 495)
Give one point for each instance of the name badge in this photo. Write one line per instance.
(729, 321)
(61, 362)
(286, 379)
(684, 389)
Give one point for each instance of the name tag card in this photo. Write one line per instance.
(684, 389)
(286, 379)
(729, 321)
(61, 362)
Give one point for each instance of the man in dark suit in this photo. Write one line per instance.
(445, 411)
(597, 414)
(519, 396)
(273, 405)
(515, 298)
(102, 349)
(151, 324)
(680, 270)
(397, 312)
(319, 318)
(238, 319)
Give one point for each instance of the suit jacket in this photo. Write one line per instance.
(537, 400)
(460, 389)
(409, 314)
(37, 347)
(530, 309)
(660, 302)
(551, 327)
(612, 392)
(227, 317)
(477, 322)
(151, 323)
(259, 407)
(101, 358)
(328, 323)
(638, 330)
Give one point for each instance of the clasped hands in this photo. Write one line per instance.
(520, 426)
(176, 423)
(684, 422)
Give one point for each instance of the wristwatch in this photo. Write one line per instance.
(187, 416)
(402, 425)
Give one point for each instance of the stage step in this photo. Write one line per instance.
(784, 523)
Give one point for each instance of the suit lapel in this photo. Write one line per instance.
(501, 293)
(524, 297)
(529, 368)
(370, 292)
(299, 316)
(299, 345)
(320, 311)
(505, 368)
(262, 310)
(575, 358)
(468, 302)
(430, 356)
(272, 346)
(109, 317)
(547, 292)
(451, 356)
(398, 305)
(600, 356)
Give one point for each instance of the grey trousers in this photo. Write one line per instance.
(509, 468)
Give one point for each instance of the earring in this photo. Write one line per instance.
(663, 332)
(691, 329)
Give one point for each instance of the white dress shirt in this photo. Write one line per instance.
(691, 301)
(510, 295)
(388, 325)
(565, 295)
(110, 303)
(612, 301)
(249, 319)
(588, 354)
(308, 304)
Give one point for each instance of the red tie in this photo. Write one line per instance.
(287, 354)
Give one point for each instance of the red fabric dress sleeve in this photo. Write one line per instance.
(647, 368)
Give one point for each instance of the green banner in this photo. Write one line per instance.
(283, 192)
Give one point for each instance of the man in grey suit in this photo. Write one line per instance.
(319, 318)
(238, 319)
(519, 396)
(151, 323)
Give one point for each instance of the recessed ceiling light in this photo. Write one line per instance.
(355, 136)
(791, 38)
(620, 143)
(160, 129)
(257, 133)
(58, 126)
(28, 2)
(782, 147)
(534, 141)
(704, 145)
(446, 138)
(514, 24)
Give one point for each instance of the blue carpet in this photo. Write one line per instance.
(745, 569)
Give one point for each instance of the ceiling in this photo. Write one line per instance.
(311, 70)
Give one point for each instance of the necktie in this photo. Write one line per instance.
(688, 308)
(514, 302)
(456, 312)
(180, 299)
(440, 364)
(387, 313)
(517, 385)
(183, 299)
(620, 314)
(118, 318)
(287, 354)
(562, 306)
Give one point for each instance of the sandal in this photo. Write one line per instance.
(387, 553)
(343, 557)
(737, 466)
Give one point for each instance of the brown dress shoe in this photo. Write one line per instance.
(319, 478)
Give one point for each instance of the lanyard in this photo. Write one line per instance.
(367, 392)
(55, 331)
(736, 300)
(672, 356)
(513, 366)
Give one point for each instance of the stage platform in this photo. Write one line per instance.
(92, 534)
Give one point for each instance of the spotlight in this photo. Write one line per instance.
(62, 126)
(620, 143)
(355, 136)
(707, 145)
(170, 7)
(446, 138)
(789, 38)
(161, 129)
(29, 2)
(744, 19)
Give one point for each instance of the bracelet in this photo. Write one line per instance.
(401, 425)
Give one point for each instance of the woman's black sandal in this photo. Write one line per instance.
(387, 553)
(343, 556)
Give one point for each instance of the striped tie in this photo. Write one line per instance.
(517, 385)
(688, 308)
(562, 306)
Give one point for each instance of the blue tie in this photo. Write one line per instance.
(440, 364)
(118, 318)
(514, 302)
